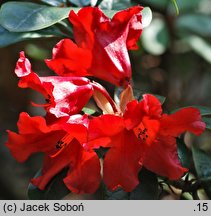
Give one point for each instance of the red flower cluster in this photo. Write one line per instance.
(101, 45)
(136, 133)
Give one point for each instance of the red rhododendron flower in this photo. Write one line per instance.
(143, 136)
(62, 149)
(101, 48)
(64, 95)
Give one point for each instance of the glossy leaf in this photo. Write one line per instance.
(30, 16)
(202, 162)
(33, 17)
(121, 4)
(80, 3)
(56, 188)
(148, 187)
(8, 38)
(184, 153)
(146, 17)
(55, 3)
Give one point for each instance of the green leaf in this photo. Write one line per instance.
(80, 3)
(91, 111)
(88, 111)
(208, 122)
(195, 23)
(146, 17)
(55, 189)
(148, 187)
(202, 162)
(55, 3)
(33, 17)
(8, 38)
(155, 38)
(30, 16)
(184, 153)
(121, 4)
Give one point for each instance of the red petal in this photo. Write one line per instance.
(133, 114)
(64, 95)
(53, 165)
(131, 18)
(29, 79)
(69, 60)
(123, 162)
(23, 66)
(77, 126)
(108, 40)
(97, 143)
(69, 98)
(84, 24)
(152, 127)
(51, 168)
(35, 136)
(105, 125)
(186, 119)
(135, 111)
(162, 158)
(152, 106)
(84, 176)
(84, 169)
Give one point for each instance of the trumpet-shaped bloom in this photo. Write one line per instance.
(62, 149)
(144, 136)
(141, 136)
(101, 48)
(64, 95)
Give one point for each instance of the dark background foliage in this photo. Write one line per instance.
(174, 60)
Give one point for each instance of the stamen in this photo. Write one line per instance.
(61, 144)
(48, 101)
(141, 132)
(39, 105)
